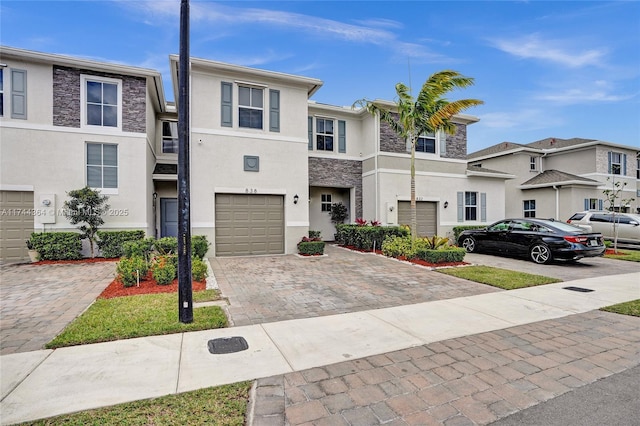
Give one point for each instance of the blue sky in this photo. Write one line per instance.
(544, 69)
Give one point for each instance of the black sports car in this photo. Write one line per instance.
(538, 239)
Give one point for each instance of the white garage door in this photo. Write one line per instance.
(16, 225)
(249, 224)
(427, 216)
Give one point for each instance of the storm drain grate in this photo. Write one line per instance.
(227, 345)
(580, 289)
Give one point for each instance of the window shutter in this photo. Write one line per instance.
(460, 206)
(600, 204)
(624, 164)
(19, 94)
(342, 136)
(483, 207)
(227, 105)
(310, 130)
(443, 143)
(586, 204)
(274, 110)
(609, 167)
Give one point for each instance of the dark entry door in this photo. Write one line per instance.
(168, 217)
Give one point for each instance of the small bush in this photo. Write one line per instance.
(110, 242)
(57, 245)
(314, 234)
(139, 248)
(167, 245)
(457, 230)
(364, 237)
(453, 254)
(198, 269)
(163, 270)
(130, 268)
(199, 246)
(311, 248)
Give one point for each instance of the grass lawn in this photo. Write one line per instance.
(630, 255)
(628, 308)
(206, 296)
(496, 277)
(135, 316)
(223, 405)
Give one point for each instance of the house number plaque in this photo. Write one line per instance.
(251, 191)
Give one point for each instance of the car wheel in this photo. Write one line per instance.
(540, 254)
(469, 244)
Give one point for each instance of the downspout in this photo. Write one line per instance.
(557, 201)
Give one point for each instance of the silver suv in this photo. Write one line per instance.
(628, 224)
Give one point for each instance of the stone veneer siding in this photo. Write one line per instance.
(66, 98)
(456, 146)
(337, 173)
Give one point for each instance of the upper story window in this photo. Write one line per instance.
(638, 169)
(426, 143)
(17, 90)
(250, 111)
(533, 165)
(102, 165)
(101, 102)
(617, 163)
(169, 137)
(324, 134)
(1, 92)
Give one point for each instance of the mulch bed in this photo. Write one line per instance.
(414, 261)
(613, 252)
(147, 286)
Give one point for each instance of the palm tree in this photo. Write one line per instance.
(428, 113)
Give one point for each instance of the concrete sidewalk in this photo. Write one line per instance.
(46, 383)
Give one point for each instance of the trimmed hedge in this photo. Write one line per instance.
(169, 245)
(452, 254)
(111, 243)
(311, 248)
(57, 245)
(364, 237)
(457, 230)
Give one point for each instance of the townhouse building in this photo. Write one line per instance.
(267, 162)
(555, 178)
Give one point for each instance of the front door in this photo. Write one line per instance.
(168, 217)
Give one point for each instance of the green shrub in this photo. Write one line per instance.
(57, 245)
(451, 254)
(139, 248)
(163, 270)
(457, 230)
(199, 246)
(130, 268)
(167, 245)
(314, 234)
(364, 237)
(110, 242)
(198, 269)
(311, 248)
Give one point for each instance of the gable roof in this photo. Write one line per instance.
(555, 177)
(484, 172)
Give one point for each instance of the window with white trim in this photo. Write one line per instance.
(102, 165)
(1, 92)
(101, 102)
(325, 202)
(426, 143)
(533, 165)
(250, 111)
(638, 168)
(169, 137)
(529, 207)
(324, 134)
(615, 166)
(470, 206)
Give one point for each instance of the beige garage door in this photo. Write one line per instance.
(16, 225)
(427, 215)
(249, 224)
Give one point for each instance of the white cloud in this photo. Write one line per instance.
(524, 119)
(589, 92)
(535, 47)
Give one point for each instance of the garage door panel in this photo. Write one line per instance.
(426, 213)
(248, 224)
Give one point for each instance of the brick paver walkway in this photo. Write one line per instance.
(471, 380)
(38, 301)
(277, 288)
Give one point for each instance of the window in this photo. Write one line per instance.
(617, 163)
(637, 165)
(1, 92)
(533, 164)
(470, 206)
(324, 134)
(102, 101)
(325, 202)
(250, 111)
(102, 165)
(530, 208)
(169, 137)
(426, 143)
(593, 204)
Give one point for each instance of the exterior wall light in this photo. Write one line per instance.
(295, 199)
(446, 204)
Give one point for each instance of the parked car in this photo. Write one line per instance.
(538, 239)
(628, 224)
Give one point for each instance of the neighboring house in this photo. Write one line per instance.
(558, 177)
(267, 162)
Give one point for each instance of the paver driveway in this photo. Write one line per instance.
(276, 288)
